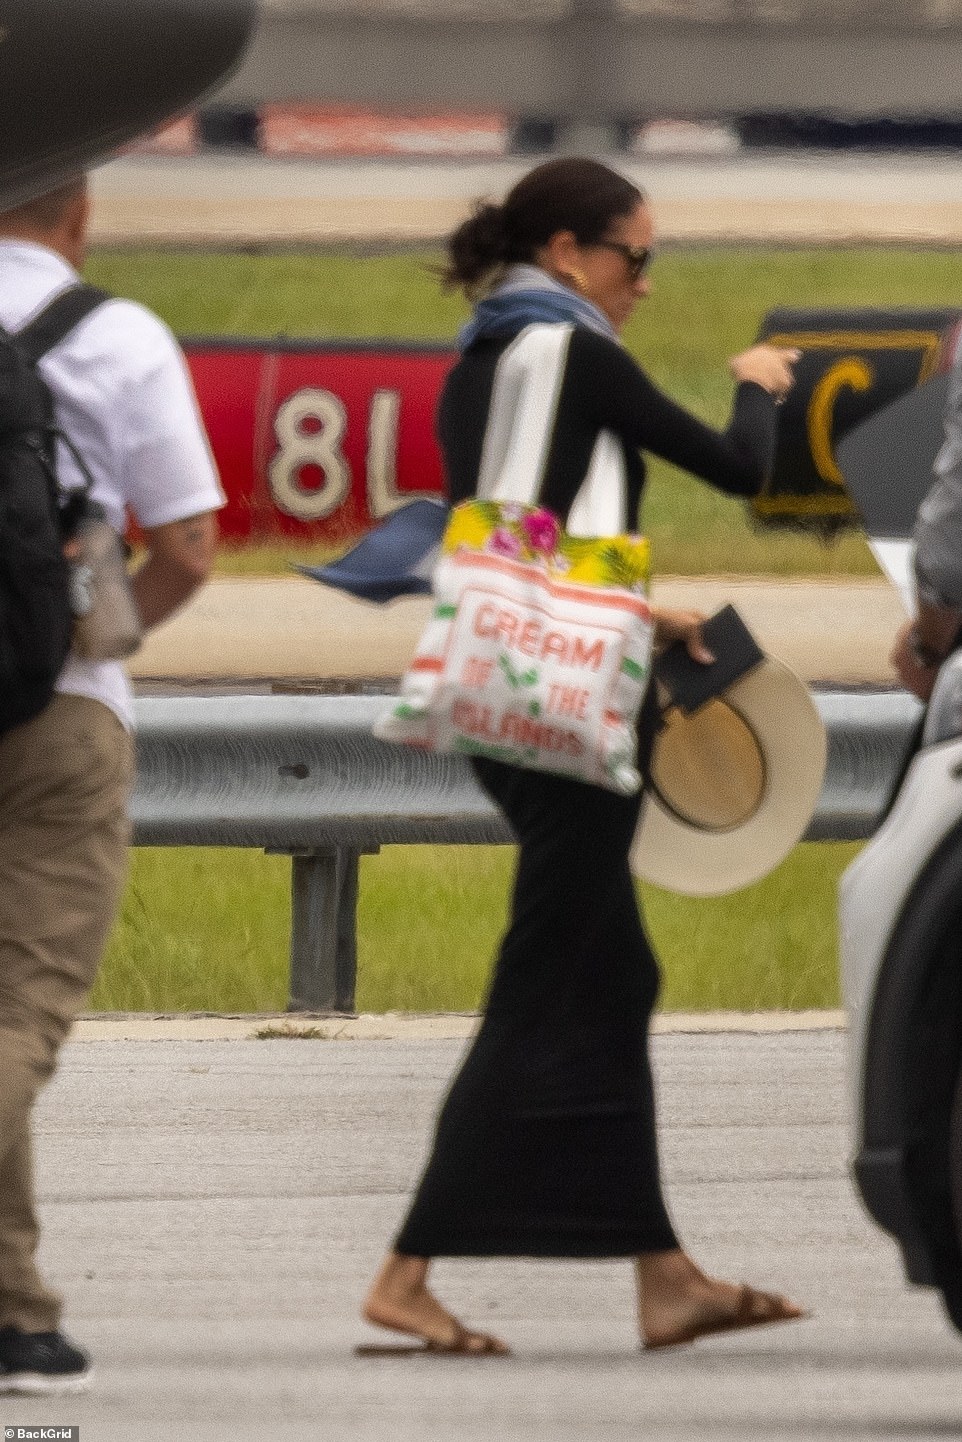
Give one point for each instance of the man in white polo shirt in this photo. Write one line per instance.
(123, 397)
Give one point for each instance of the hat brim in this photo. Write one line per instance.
(678, 855)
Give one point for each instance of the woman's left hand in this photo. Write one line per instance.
(671, 626)
(769, 366)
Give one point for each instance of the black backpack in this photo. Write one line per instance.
(36, 517)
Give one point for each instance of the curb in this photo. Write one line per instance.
(398, 1026)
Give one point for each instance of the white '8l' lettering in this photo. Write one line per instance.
(310, 427)
(384, 424)
(299, 447)
(383, 496)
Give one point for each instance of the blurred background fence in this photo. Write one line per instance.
(588, 72)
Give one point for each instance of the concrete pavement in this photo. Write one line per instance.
(214, 1209)
(788, 198)
(837, 631)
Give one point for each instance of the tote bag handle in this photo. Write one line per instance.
(524, 401)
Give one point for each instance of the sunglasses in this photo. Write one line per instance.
(637, 257)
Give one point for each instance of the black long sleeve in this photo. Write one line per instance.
(614, 393)
(603, 389)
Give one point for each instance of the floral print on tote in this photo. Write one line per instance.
(533, 534)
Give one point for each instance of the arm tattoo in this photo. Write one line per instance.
(196, 535)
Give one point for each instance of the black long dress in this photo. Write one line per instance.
(546, 1143)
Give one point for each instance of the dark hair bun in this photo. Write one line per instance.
(477, 247)
(572, 193)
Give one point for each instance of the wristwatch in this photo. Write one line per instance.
(926, 656)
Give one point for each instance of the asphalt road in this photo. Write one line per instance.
(781, 198)
(214, 1209)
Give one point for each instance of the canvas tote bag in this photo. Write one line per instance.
(538, 651)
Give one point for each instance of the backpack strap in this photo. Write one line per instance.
(57, 320)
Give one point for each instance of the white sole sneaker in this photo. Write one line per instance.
(38, 1384)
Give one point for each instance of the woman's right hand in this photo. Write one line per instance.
(769, 366)
(671, 626)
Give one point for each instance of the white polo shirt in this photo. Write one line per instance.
(124, 396)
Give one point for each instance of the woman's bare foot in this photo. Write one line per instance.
(399, 1299)
(677, 1302)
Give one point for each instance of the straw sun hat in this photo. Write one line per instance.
(735, 784)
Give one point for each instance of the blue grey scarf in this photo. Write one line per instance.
(529, 296)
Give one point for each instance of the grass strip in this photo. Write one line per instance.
(208, 929)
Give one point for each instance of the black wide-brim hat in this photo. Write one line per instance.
(80, 78)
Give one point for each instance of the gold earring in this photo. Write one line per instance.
(579, 280)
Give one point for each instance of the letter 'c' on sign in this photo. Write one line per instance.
(310, 427)
(853, 373)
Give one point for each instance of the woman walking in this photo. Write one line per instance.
(546, 1145)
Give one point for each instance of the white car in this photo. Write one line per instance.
(901, 946)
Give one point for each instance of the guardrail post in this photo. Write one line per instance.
(323, 930)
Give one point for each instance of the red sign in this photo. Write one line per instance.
(318, 441)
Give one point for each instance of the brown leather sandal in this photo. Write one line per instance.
(754, 1309)
(462, 1344)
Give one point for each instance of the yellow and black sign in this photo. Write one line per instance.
(853, 363)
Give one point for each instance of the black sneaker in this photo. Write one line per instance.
(40, 1364)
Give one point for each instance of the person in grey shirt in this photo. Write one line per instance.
(923, 643)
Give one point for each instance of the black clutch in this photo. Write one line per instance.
(690, 683)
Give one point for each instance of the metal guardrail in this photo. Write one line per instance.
(869, 733)
(304, 777)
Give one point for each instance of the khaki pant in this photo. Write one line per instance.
(65, 779)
